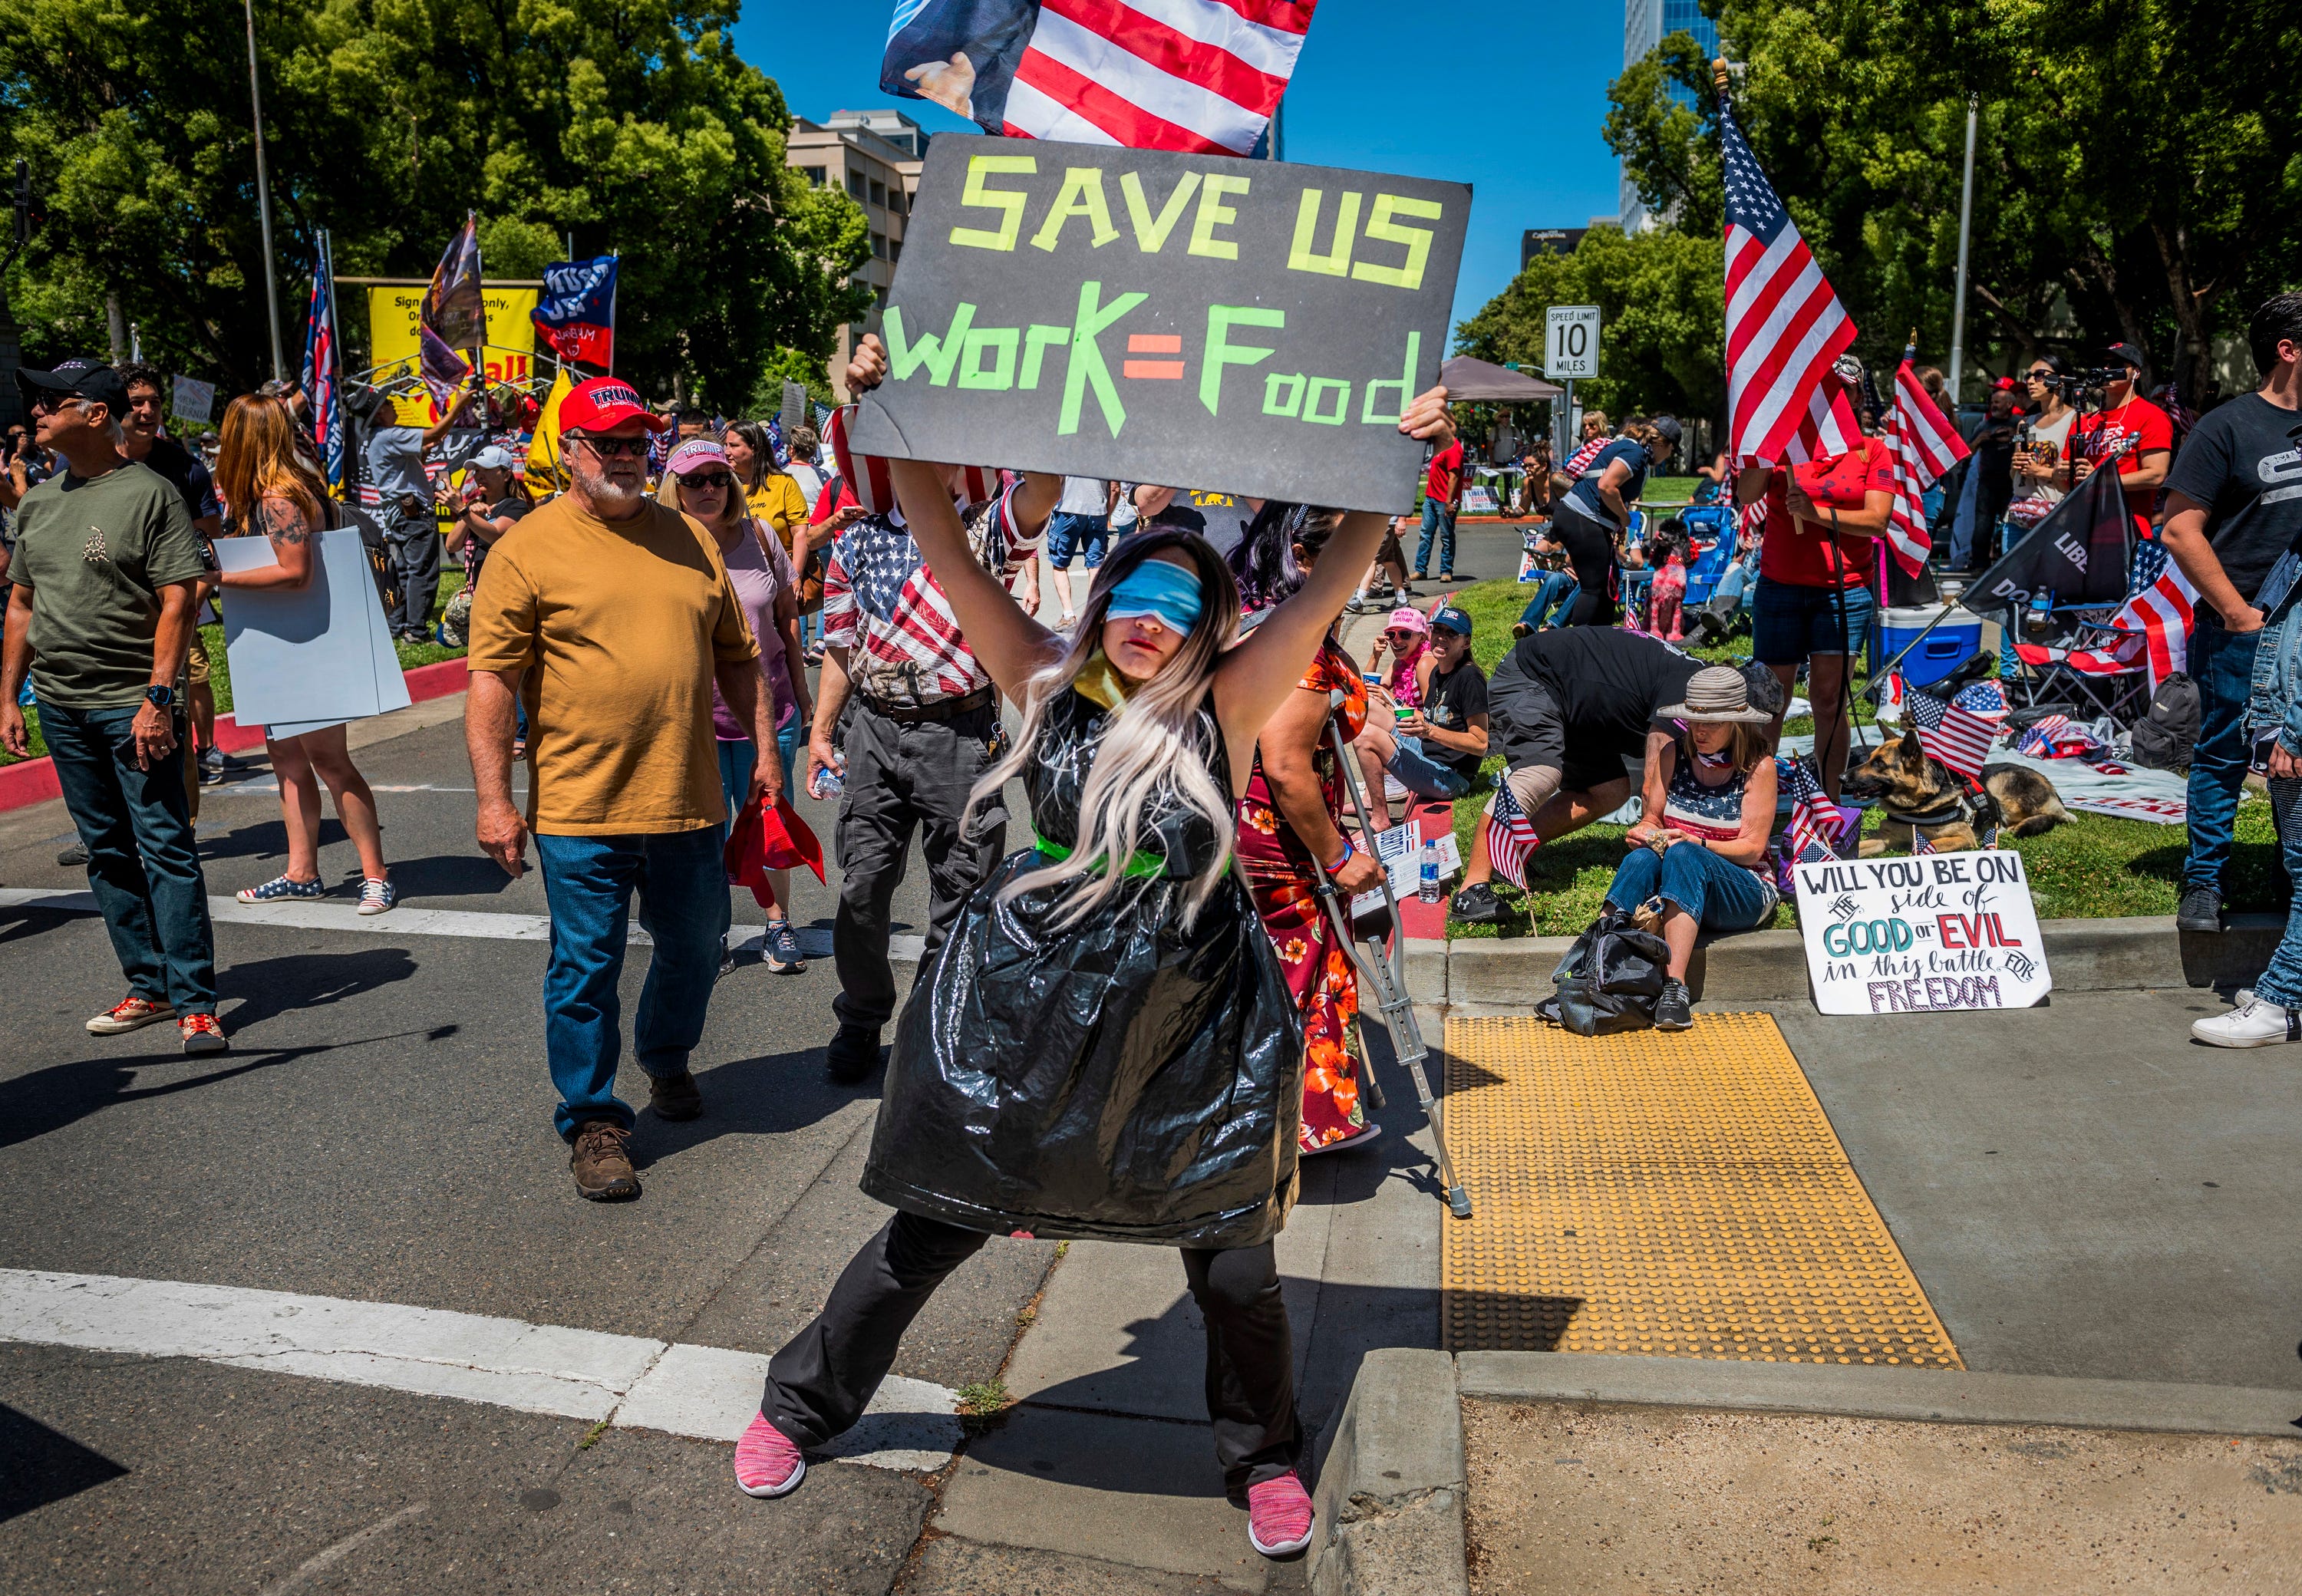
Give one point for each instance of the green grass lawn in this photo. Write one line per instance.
(2094, 868)
(411, 655)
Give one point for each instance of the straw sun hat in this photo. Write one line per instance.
(1716, 693)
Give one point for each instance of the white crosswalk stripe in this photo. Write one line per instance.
(634, 1381)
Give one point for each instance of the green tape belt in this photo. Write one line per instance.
(1141, 864)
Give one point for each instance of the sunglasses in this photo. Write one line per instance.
(608, 449)
(1403, 635)
(48, 404)
(716, 479)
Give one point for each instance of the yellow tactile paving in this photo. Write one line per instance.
(1680, 1195)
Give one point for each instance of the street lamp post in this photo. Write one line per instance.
(264, 200)
(1965, 224)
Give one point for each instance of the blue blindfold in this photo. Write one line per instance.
(1159, 589)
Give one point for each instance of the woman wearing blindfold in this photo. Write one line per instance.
(1106, 1045)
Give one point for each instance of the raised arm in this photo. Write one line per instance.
(1256, 677)
(1010, 643)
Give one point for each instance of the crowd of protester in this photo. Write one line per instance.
(640, 642)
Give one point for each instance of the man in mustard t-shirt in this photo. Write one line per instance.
(614, 616)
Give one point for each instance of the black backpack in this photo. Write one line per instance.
(2163, 738)
(1610, 979)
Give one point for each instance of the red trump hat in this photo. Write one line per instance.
(603, 404)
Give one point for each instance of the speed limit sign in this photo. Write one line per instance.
(1571, 350)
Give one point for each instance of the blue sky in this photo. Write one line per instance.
(1508, 98)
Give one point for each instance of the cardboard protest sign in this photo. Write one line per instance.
(310, 656)
(1254, 327)
(1921, 934)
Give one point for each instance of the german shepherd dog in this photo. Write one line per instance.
(1923, 797)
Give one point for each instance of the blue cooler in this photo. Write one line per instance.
(1943, 650)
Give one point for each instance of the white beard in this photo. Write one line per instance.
(610, 499)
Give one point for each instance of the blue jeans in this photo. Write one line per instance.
(1556, 593)
(1719, 895)
(2281, 982)
(1436, 519)
(2222, 662)
(142, 864)
(1072, 534)
(1421, 775)
(739, 756)
(589, 882)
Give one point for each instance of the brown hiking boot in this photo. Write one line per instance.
(603, 1168)
(674, 1096)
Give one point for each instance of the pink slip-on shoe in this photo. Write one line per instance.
(1279, 1516)
(767, 1464)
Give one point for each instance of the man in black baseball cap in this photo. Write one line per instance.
(2130, 430)
(102, 590)
(79, 378)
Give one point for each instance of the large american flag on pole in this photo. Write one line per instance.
(323, 371)
(1785, 327)
(1923, 444)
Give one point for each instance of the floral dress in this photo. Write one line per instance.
(1283, 879)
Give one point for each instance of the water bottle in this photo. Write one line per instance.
(1429, 893)
(827, 782)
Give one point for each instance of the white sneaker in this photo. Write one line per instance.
(2257, 1023)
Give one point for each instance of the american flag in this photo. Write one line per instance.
(1510, 837)
(1959, 731)
(1816, 822)
(1923, 444)
(867, 474)
(1580, 460)
(2040, 740)
(1202, 76)
(323, 373)
(1785, 327)
(2156, 619)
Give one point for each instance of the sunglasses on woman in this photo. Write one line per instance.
(1403, 635)
(711, 479)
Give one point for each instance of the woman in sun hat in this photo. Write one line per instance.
(1698, 847)
(1407, 637)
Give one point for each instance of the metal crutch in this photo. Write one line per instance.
(1385, 970)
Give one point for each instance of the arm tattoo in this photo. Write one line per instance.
(282, 523)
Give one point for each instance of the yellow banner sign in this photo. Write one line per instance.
(394, 315)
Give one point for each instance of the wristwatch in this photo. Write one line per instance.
(160, 698)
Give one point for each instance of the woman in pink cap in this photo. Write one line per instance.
(699, 480)
(1407, 636)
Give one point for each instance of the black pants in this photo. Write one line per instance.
(819, 1383)
(413, 545)
(1590, 545)
(904, 777)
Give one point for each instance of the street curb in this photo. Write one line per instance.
(34, 781)
(1470, 976)
(1390, 1491)
(1954, 1397)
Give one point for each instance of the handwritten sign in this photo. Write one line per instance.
(1936, 932)
(1254, 327)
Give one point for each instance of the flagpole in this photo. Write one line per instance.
(1965, 227)
(263, 197)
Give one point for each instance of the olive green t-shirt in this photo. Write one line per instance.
(95, 552)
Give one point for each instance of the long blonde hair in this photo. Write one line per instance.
(1148, 749)
(257, 456)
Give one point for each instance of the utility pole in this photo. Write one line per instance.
(264, 201)
(1965, 225)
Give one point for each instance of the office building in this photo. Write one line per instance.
(1645, 24)
(874, 155)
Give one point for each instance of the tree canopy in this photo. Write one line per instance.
(2137, 169)
(632, 125)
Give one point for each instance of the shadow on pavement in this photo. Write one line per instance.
(39, 1465)
(266, 988)
(449, 876)
(767, 1094)
(46, 1100)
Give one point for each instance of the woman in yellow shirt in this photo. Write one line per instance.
(775, 499)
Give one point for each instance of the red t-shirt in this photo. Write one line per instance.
(1446, 474)
(2140, 426)
(1800, 554)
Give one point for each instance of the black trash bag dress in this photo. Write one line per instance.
(1116, 1078)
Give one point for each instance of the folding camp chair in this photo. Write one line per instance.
(1704, 576)
(2096, 667)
